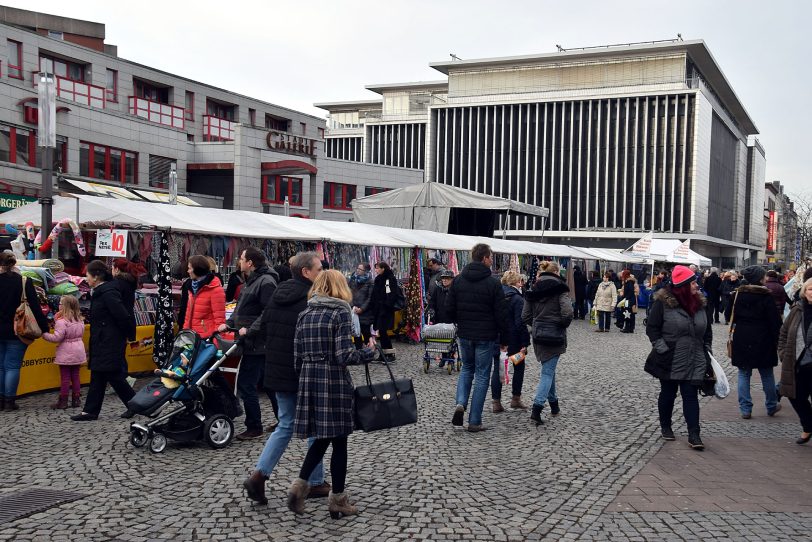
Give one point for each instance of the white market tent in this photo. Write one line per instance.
(427, 206)
(92, 211)
(667, 250)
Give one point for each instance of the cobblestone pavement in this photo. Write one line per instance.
(421, 482)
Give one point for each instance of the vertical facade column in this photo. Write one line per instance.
(664, 159)
(616, 188)
(454, 147)
(588, 163)
(675, 129)
(536, 164)
(607, 188)
(624, 219)
(580, 163)
(502, 155)
(570, 202)
(644, 177)
(685, 117)
(656, 145)
(476, 162)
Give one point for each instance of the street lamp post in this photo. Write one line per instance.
(46, 113)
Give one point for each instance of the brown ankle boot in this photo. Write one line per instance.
(297, 494)
(339, 505)
(76, 401)
(516, 403)
(497, 406)
(254, 487)
(61, 404)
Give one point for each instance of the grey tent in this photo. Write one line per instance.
(439, 207)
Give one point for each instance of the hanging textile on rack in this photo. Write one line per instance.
(452, 265)
(413, 315)
(514, 263)
(534, 270)
(163, 337)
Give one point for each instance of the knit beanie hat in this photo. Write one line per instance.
(681, 275)
(753, 274)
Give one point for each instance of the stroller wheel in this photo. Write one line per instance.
(138, 438)
(450, 367)
(218, 431)
(426, 365)
(459, 365)
(157, 444)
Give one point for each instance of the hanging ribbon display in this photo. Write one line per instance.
(413, 315)
(163, 338)
(62, 225)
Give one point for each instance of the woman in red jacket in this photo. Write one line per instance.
(206, 303)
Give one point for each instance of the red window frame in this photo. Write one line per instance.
(221, 111)
(279, 197)
(12, 146)
(68, 64)
(122, 174)
(15, 71)
(277, 124)
(372, 190)
(190, 106)
(329, 200)
(61, 145)
(151, 92)
(112, 94)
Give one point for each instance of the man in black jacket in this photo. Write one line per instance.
(712, 285)
(260, 283)
(476, 303)
(579, 280)
(278, 324)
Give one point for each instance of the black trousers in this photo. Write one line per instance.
(690, 403)
(363, 339)
(801, 403)
(98, 385)
(338, 461)
(580, 308)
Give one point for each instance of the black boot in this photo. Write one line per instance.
(11, 403)
(694, 441)
(667, 433)
(254, 487)
(535, 414)
(554, 410)
(2, 402)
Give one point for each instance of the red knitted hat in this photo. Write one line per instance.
(681, 275)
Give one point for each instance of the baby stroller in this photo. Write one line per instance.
(190, 400)
(440, 341)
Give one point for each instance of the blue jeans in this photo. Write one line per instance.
(477, 359)
(546, 390)
(767, 384)
(278, 441)
(11, 359)
(252, 367)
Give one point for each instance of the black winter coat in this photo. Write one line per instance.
(579, 283)
(757, 326)
(126, 285)
(11, 293)
(254, 297)
(383, 303)
(438, 304)
(518, 336)
(279, 328)
(362, 298)
(778, 294)
(110, 326)
(712, 285)
(476, 303)
(592, 288)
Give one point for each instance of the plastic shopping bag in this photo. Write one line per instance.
(593, 316)
(722, 387)
(504, 369)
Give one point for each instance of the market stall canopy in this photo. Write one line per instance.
(667, 250)
(613, 255)
(427, 206)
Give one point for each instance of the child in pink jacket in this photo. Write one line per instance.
(70, 352)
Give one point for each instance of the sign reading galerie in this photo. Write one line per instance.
(283, 142)
(111, 243)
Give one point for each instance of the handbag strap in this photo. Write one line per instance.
(732, 325)
(388, 368)
(22, 297)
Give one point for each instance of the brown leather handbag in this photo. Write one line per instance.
(25, 325)
(732, 328)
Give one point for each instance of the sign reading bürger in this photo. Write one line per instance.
(283, 142)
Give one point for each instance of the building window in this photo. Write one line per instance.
(252, 116)
(112, 85)
(372, 190)
(303, 127)
(55, 34)
(220, 110)
(159, 168)
(338, 196)
(321, 133)
(108, 163)
(18, 145)
(151, 92)
(15, 59)
(276, 187)
(190, 106)
(276, 123)
(60, 158)
(65, 69)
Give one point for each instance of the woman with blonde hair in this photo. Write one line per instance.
(323, 348)
(795, 351)
(69, 329)
(549, 305)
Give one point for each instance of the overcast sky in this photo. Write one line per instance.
(296, 53)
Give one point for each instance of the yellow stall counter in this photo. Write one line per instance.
(38, 372)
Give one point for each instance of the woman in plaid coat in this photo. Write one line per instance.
(323, 348)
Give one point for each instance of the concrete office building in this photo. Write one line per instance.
(120, 123)
(617, 141)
